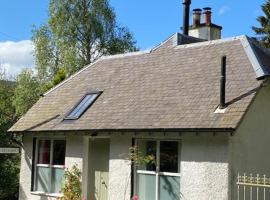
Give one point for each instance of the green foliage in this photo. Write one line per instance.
(138, 158)
(27, 92)
(78, 33)
(263, 32)
(72, 188)
(9, 163)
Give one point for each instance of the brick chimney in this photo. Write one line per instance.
(206, 30)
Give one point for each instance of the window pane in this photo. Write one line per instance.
(146, 185)
(59, 151)
(169, 187)
(44, 151)
(43, 179)
(82, 106)
(169, 156)
(148, 148)
(57, 179)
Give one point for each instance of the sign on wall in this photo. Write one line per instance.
(9, 150)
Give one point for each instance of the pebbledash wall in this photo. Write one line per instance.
(77, 152)
(204, 166)
(74, 155)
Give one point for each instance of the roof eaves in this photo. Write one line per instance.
(196, 130)
(253, 58)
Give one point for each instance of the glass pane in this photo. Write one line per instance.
(146, 187)
(59, 151)
(43, 179)
(44, 151)
(148, 148)
(57, 179)
(169, 156)
(82, 106)
(169, 187)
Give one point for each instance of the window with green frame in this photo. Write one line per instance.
(49, 165)
(160, 179)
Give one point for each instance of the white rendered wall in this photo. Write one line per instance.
(250, 145)
(74, 154)
(119, 169)
(206, 33)
(204, 168)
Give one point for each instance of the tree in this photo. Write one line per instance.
(263, 32)
(27, 92)
(78, 33)
(9, 163)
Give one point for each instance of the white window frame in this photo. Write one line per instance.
(50, 165)
(157, 173)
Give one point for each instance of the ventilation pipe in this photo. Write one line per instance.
(186, 9)
(222, 104)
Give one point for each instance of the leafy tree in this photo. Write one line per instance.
(9, 163)
(78, 32)
(27, 92)
(263, 32)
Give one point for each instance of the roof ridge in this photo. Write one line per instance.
(126, 54)
(211, 42)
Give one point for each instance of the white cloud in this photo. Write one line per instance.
(223, 10)
(15, 56)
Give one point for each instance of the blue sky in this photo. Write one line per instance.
(151, 21)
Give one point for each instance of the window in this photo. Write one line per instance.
(83, 105)
(160, 180)
(49, 165)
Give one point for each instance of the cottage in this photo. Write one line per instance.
(171, 102)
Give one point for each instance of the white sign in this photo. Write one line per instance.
(9, 150)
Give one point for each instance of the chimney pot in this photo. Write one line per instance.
(208, 15)
(197, 17)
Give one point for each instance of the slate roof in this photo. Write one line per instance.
(169, 87)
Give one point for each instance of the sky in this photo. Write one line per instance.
(150, 21)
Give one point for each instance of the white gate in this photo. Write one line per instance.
(253, 187)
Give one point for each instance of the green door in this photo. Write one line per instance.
(101, 185)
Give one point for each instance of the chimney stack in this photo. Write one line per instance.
(186, 9)
(197, 17)
(205, 30)
(208, 15)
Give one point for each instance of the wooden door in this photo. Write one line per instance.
(101, 185)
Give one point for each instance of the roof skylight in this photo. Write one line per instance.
(83, 105)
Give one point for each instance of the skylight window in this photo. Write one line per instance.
(82, 106)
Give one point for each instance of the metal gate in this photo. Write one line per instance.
(253, 187)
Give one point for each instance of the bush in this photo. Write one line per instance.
(72, 189)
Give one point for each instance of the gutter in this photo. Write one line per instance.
(157, 130)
